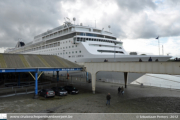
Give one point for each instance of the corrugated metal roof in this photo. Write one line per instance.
(18, 61)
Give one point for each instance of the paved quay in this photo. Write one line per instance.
(135, 100)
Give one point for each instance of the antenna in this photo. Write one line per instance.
(68, 18)
(74, 19)
(95, 23)
(109, 27)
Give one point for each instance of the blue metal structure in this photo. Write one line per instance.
(39, 69)
(36, 70)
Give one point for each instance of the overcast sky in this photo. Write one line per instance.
(135, 22)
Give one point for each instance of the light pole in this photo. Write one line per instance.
(162, 50)
(158, 44)
(114, 52)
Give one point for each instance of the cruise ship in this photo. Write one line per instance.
(78, 43)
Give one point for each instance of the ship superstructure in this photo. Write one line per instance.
(79, 43)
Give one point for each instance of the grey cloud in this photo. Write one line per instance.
(25, 19)
(135, 5)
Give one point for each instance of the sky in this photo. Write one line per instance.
(135, 22)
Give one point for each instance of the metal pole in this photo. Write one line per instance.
(19, 79)
(36, 86)
(114, 51)
(57, 76)
(159, 46)
(87, 76)
(162, 50)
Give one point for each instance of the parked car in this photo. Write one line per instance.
(46, 93)
(71, 89)
(59, 90)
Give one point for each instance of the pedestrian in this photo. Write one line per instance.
(108, 97)
(122, 90)
(140, 60)
(150, 59)
(119, 90)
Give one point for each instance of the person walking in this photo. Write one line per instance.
(150, 59)
(108, 97)
(119, 90)
(122, 91)
(140, 60)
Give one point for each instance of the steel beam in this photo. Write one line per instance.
(39, 69)
(19, 77)
(57, 76)
(36, 86)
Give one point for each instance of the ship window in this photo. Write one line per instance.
(76, 45)
(76, 51)
(79, 51)
(69, 52)
(69, 46)
(110, 51)
(72, 52)
(72, 46)
(66, 47)
(66, 52)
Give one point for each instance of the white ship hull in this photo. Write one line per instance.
(80, 44)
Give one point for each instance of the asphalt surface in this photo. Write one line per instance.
(136, 99)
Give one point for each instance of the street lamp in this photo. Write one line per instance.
(114, 51)
(158, 44)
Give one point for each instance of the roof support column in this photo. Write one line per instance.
(53, 73)
(57, 76)
(93, 82)
(19, 78)
(36, 86)
(86, 76)
(125, 78)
